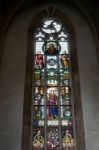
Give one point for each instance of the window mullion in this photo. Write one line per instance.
(59, 106)
(45, 89)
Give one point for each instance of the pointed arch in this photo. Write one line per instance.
(27, 109)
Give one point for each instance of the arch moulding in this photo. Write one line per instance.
(27, 108)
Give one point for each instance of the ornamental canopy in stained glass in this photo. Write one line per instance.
(52, 114)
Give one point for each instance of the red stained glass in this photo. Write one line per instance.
(52, 114)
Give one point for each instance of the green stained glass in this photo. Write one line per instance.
(67, 139)
(52, 114)
(38, 139)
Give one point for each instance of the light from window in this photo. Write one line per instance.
(52, 115)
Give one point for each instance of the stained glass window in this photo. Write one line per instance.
(52, 114)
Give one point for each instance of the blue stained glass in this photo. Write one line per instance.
(52, 112)
(52, 115)
(38, 116)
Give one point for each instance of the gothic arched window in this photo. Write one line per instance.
(52, 109)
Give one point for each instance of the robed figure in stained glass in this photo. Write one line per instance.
(51, 88)
(51, 50)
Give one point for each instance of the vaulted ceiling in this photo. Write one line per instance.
(89, 6)
(8, 9)
(92, 6)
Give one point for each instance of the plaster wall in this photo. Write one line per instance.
(12, 78)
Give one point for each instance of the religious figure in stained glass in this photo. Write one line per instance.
(52, 98)
(68, 142)
(51, 50)
(39, 61)
(52, 115)
(64, 61)
(38, 141)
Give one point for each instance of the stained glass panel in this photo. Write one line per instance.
(52, 111)
(38, 139)
(67, 139)
(53, 139)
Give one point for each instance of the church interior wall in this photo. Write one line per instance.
(12, 78)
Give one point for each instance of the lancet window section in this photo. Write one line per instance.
(52, 114)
